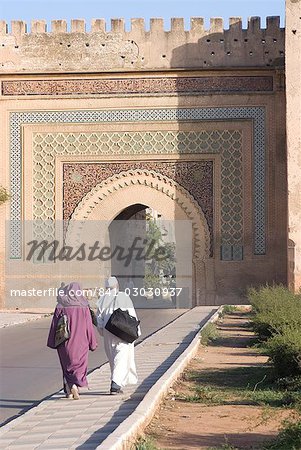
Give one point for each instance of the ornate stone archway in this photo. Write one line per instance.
(106, 200)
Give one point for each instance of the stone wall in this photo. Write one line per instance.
(293, 111)
(188, 100)
(119, 50)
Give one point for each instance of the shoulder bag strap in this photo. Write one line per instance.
(114, 301)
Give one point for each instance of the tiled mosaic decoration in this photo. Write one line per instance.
(227, 143)
(256, 114)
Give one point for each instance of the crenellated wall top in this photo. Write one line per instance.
(77, 50)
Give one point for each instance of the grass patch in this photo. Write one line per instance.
(241, 385)
(204, 395)
(290, 383)
(144, 443)
(238, 378)
(209, 334)
(289, 437)
(224, 447)
(228, 310)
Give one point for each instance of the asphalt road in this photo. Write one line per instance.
(30, 371)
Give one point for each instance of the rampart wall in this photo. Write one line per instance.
(61, 51)
(293, 130)
(55, 80)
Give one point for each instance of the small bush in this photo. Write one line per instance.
(289, 438)
(277, 322)
(4, 195)
(144, 443)
(209, 334)
(290, 384)
(284, 351)
(227, 309)
(275, 308)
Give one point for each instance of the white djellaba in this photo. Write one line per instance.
(120, 354)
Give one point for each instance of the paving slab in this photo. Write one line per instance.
(92, 421)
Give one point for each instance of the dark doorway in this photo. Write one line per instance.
(132, 212)
(140, 223)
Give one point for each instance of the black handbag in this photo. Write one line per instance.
(123, 325)
(93, 317)
(62, 332)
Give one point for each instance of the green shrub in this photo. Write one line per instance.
(209, 334)
(290, 384)
(275, 308)
(4, 195)
(284, 351)
(227, 309)
(277, 322)
(144, 443)
(289, 438)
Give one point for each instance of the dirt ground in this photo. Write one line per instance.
(186, 425)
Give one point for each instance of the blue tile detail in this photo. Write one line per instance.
(226, 252)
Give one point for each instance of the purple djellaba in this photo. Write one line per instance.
(73, 353)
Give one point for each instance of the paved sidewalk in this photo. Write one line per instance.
(59, 423)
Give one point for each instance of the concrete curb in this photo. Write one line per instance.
(124, 436)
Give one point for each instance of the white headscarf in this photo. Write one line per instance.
(112, 283)
(114, 298)
(110, 301)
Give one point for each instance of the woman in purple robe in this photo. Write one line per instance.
(73, 353)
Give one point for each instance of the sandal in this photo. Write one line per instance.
(74, 391)
(68, 393)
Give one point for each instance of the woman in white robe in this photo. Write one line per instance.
(120, 354)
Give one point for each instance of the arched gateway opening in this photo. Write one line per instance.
(151, 282)
(121, 197)
(122, 230)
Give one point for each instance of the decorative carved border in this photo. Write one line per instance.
(166, 85)
(256, 114)
(75, 191)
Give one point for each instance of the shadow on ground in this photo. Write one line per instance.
(129, 405)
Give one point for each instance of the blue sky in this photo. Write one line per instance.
(88, 9)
